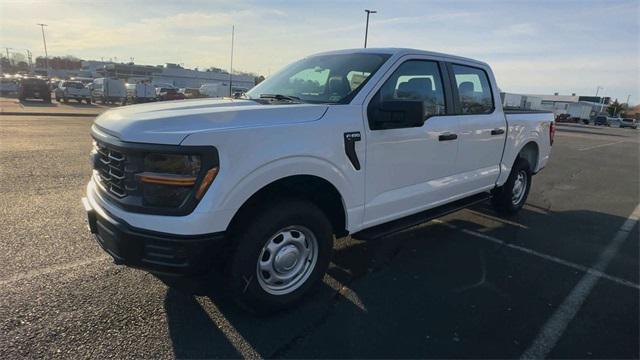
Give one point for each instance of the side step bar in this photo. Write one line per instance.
(410, 221)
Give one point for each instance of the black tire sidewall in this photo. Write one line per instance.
(502, 196)
(259, 229)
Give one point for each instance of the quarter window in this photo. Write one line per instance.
(474, 91)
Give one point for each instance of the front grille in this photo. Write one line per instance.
(114, 171)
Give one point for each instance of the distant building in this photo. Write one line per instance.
(520, 101)
(582, 107)
(168, 74)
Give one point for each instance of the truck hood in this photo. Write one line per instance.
(170, 122)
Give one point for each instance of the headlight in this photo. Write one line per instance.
(168, 179)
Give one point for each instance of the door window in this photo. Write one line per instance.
(413, 81)
(474, 91)
(417, 80)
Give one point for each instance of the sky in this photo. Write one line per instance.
(539, 47)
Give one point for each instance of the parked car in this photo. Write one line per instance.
(8, 86)
(601, 120)
(107, 90)
(214, 90)
(263, 184)
(34, 88)
(629, 123)
(164, 94)
(191, 93)
(140, 92)
(75, 90)
(563, 118)
(614, 121)
(53, 84)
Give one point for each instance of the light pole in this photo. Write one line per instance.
(233, 32)
(366, 29)
(598, 89)
(46, 55)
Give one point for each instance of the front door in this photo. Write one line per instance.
(407, 166)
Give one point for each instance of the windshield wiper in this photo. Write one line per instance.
(280, 97)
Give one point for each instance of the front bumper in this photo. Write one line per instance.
(153, 251)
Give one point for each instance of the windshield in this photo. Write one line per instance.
(321, 79)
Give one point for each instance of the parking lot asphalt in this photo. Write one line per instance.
(10, 105)
(560, 279)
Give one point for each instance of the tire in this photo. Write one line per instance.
(88, 101)
(284, 230)
(510, 197)
(66, 101)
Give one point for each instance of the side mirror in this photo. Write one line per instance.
(399, 113)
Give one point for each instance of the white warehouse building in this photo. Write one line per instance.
(168, 74)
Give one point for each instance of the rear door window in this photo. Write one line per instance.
(474, 91)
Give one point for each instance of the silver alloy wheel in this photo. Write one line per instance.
(519, 187)
(287, 260)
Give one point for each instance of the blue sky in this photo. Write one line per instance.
(533, 46)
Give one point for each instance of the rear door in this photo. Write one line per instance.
(483, 127)
(407, 166)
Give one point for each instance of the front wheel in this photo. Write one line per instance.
(510, 197)
(280, 256)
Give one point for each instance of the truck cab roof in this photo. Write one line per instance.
(398, 52)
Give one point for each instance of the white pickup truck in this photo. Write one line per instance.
(364, 142)
(72, 90)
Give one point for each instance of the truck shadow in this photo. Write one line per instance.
(431, 291)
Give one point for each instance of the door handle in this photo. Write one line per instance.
(497, 131)
(447, 137)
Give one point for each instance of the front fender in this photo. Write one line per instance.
(280, 169)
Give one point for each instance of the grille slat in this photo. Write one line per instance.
(111, 169)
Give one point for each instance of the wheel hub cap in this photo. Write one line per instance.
(519, 188)
(287, 260)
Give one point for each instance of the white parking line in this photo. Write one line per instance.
(601, 145)
(552, 258)
(239, 343)
(557, 323)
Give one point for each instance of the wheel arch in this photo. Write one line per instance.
(530, 152)
(313, 188)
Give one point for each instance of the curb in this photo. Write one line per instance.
(46, 114)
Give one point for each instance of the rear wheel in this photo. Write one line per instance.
(510, 197)
(281, 256)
